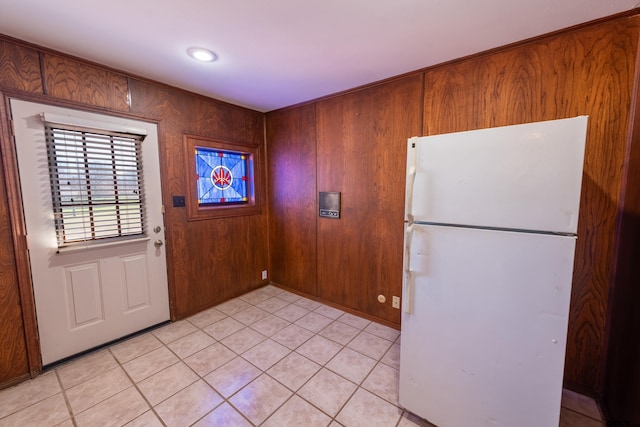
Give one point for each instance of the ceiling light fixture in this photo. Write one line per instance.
(202, 54)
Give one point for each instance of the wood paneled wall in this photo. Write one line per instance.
(362, 140)
(621, 391)
(360, 151)
(292, 198)
(208, 261)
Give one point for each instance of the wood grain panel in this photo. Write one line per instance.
(208, 261)
(291, 136)
(84, 83)
(588, 71)
(621, 391)
(19, 68)
(361, 146)
(14, 361)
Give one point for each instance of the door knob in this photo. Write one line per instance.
(157, 243)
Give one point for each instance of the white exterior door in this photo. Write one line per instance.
(88, 294)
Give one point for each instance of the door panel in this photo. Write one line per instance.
(88, 295)
(522, 177)
(488, 326)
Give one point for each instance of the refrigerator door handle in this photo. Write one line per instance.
(411, 176)
(408, 276)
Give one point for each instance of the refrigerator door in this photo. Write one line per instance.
(484, 342)
(520, 177)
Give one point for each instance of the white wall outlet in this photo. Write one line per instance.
(395, 302)
(264, 274)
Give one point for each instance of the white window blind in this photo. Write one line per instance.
(96, 183)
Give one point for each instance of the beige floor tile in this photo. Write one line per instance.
(188, 405)
(270, 325)
(65, 423)
(327, 391)
(190, 344)
(292, 336)
(383, 382)
(392, 356)
(294, 370)
(173, 331)
(115, 411)
(135, 347)
(365, 409)
(382, 331)
(167, 382)
(232, 376)
(291, 313)
(209, 359)
(97, 389)
(352, 365)
(355, 321)
(28, 393)
(370, 345)
(273, 304)
(243, 340)
(569, 418)
(86, 367)
(313, 322)
(266, 354)
(223, 328)
(255, 297)
(48, 412)
(260, 399)
(335, 424)
(319, 349)
(581, 404)
(233, 306)
(289, 297)
(250, 315)
(307, 304)
(410, 420)
(330, 312)
(339, 332)
(150, 363)
(148, 419)
(223, 416)
(206, 317)
(297, 412)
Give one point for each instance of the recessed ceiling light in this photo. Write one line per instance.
(202, 54)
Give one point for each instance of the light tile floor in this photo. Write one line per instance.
(268, 358)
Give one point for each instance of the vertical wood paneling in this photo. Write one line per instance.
(14, 361)
(19, 68)
(589, 71)
(85, 84)
(621, 391)
(208, 261)
(361, 150)
(291, 170)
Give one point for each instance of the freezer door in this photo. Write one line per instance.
(522, 177)
(484, 342)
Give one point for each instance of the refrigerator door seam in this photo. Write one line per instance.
(479, 227)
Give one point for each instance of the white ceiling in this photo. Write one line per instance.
(281, 52)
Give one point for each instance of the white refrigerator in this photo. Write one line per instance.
(490, 231)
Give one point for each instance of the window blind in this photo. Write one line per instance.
(96, 183)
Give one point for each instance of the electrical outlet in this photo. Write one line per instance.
(264, 274)
(395, 302)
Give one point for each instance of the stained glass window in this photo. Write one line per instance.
(222, 176)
